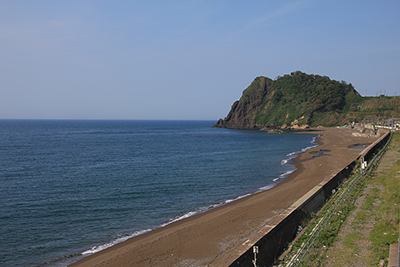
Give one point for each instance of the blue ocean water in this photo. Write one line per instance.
(71, 188)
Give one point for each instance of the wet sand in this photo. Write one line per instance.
(217, 237)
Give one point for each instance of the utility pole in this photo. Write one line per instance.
(255, 251)
(363, 165)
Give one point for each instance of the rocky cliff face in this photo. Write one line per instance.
(243, 112)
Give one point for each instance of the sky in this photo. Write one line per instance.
(183, 60)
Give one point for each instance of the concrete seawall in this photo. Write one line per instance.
(272, 244)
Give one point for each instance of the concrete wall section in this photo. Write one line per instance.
(370, 150)
(272, 244)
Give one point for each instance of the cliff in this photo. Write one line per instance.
(300, 100)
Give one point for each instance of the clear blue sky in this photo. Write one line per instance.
(183, 59)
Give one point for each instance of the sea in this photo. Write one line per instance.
(70, 188)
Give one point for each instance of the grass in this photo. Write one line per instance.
(362, 216)
(349, 241)
(386, 229)
(328, 236)
(381, 205)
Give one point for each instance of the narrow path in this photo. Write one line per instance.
(353, 245)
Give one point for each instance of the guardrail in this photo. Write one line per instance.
(297, 260)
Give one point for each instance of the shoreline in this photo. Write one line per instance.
(218, 235)
(279, 179)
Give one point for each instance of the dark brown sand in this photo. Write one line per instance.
(217, 237)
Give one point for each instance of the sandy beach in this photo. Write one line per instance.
(217, 237)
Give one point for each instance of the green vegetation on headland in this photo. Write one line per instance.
(300, 99)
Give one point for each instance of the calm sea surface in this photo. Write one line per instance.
(71, 188)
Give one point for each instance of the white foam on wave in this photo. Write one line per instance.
(178, 218)
(308, 148)
(203, 209)
(283, 175)
(314, 139)
(239, 197)
(291, 154)
(267, 187)
(294, 154)
(96, 249)
(114, 242)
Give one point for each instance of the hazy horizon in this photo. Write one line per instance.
(183, 60)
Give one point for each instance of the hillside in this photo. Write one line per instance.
(299, 100)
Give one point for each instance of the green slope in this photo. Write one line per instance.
(306, 99)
